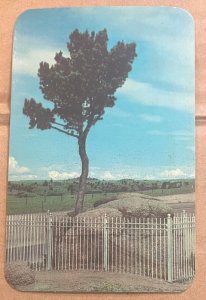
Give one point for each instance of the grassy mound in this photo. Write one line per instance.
(132, 205)
(103, 201)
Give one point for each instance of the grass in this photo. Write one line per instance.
(37, 204)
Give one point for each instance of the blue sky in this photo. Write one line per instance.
(148, 134)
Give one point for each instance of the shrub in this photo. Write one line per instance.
(147, 211)
(19, 273)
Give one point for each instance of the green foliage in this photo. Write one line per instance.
(40, 117)
(81, 85)
(45, 183)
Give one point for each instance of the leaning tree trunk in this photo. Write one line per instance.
(83, 176)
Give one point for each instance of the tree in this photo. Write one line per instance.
(80, 87)
(45, 183)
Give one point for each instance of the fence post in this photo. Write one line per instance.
(185, 232)
(49, 240)
(105, 262)
(170, 248)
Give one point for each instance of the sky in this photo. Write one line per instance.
(148, 134)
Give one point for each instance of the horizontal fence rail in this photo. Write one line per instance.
(160, 248)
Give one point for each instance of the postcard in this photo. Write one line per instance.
(101, 184)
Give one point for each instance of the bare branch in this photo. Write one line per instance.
(65, 126)
(65, 132)
(58, 124)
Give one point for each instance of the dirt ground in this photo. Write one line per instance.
(93, 281)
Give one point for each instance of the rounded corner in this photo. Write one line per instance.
(8, 282)
(22, 14)
(15, 287)
(186, 12)
(188, 286)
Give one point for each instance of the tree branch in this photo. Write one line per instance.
(58, 124)
(91, 121)
(65, 132)
(87, 128)
(64, 125)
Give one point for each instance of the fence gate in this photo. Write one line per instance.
(156, 248)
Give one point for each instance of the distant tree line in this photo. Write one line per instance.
(94, 186)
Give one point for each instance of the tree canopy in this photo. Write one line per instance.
(81, 85)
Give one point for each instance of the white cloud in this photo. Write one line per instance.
(146, 173)
(15, 168)
(149, 95)
(28, 63)
(56, 175)
(107, 175)
(91, 174)
(116, 174)
(168, 31)
(192, 175)
(151, 118)
(149, 177)
(17, 172)
(175, 173)
(31, 176)
(29, 51)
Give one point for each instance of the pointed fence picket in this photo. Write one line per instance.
(161, 248)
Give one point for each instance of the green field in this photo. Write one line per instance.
(168, 192)
(53, 203)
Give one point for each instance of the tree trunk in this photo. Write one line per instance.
(83, 176)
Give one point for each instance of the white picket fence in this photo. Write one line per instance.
(157, 248)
